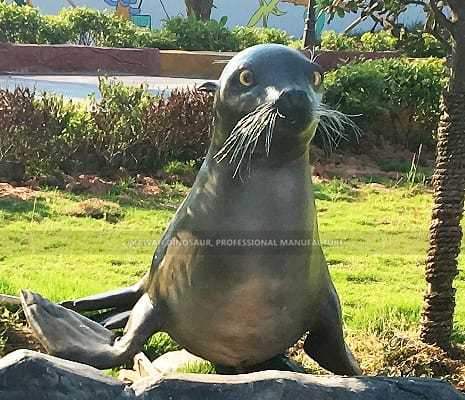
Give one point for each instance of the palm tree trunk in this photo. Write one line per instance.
(448, 201)
(200, 9)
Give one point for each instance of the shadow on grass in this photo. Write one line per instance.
(32, 209)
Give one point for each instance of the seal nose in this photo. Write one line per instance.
(294, 104)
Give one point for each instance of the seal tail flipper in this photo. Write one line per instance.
(114, 320)
(67, 334)
(121, 299)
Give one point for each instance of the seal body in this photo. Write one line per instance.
(239, 275)
(221, 302)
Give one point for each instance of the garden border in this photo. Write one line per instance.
(81, 60)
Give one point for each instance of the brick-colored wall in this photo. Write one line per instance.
(67, 59)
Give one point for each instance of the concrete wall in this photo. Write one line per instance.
(238, 12)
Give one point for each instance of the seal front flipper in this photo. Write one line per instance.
(67, 334)
(325, 343)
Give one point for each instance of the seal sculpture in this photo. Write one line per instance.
(239, 275)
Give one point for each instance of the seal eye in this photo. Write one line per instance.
(246, 78)
(317, 78)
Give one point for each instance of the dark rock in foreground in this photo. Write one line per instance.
(28, 375)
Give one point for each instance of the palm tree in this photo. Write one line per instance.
(446, 21)
(448, 184)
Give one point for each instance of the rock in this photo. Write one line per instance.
(175, 361)
(88, 184)
(12, 171)
(28, 375)
(276, 385)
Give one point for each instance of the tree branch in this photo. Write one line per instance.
(441, 18)
(365, 14)
(440, 36)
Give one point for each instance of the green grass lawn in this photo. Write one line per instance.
(374, 239)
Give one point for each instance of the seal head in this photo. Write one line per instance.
(266, 99)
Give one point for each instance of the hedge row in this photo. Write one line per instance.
(398, 101)
(411, 43)
(24, 24)
(128, 128)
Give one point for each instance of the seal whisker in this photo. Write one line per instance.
(334, 125)
(245, 136)
(269, 133)
(266, 123)
(241, 127)
(253, 137)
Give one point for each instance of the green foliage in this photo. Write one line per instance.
(251, 36)
(128, 128)
(33, 129)
(335, 190)
(396, 98)
(194, 34)
(19, 23)
(331, 40)
(378, 41)
(86, 26)
(369, 41)
(176, 167)
(264, 11)
(198, 367)
(160, 344)
(420, 44)
(413, 43)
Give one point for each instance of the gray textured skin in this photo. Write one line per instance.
(26, 375)
(241, 306)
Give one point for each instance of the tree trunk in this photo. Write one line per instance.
(200, 9)
(449, 190)
(309, 31)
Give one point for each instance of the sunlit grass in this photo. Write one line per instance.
(375, 242)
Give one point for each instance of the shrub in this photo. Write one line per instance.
(193, 34)
(128, 128)
(54, 30)
(396, 98)
(250, 36)
(331, 40)
(19, 24)
(378, 41)
(415, 43)
(86, 26)
(35, 131)
(421, 44)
